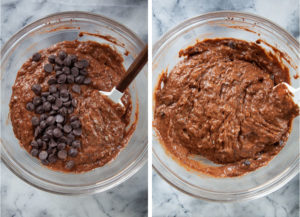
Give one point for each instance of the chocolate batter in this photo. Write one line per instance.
(220, 102)
(104, 124)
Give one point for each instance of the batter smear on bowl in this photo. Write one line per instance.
(57, 112)
(219, 102)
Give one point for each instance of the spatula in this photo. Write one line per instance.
(294, 91)
(117, 92)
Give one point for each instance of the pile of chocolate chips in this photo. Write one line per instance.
(55, 130)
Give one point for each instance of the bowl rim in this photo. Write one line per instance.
(166, 174)
(114, 180)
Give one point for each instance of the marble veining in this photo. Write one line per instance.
(18, 199)
(166, 200)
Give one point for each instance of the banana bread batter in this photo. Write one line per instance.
(220, 102)
(80, 70)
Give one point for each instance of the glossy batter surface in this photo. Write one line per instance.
(219, 102)
(104, 124)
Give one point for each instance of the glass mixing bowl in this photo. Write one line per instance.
(42, 34)
(285, 165)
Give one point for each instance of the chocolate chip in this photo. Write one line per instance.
(73, 152)
(51, 98)
(74, 118)
(74, 103)
(57, 133)
(67, 104)
(77, 132)
(54, 108)
(85, 63)
(61, 146)
(71, 137)
(66, 70)
(43, 125)
(44, 146)
(30, 106)
(83, 72)
(87, 81)
(68, 61)
(36, 100)
(79, 79)
(43, 99)
(37, 131)
(64, 93)
(76, 144)
(36, 57)
(48, 68)
(70, 110)
(34, 152)
(34, 143)
(70, 165)
(62, 87)
(79, 64)
(62, 55)
(39, 110)
(62, 154)
(50, 120)
(76, 88)
(70, 79)
(59, 118)
(75, 124)
(47, 106)
(43, 117)
(58, 103)
(36, 88)
(75, 71)
(56, 95)
(60, 126)
(52, 88)
(49, 132)
(52, 158)
(52, 112)
(73, 58)
(247, 162)
(63, 111)
(58, 73)
(45, 138)
(51, 58)
(45, 162)
(57, 68)
(67, 128)
(52, 81)
(45, 94)
(35, 121)
(61, 79)
(69, 141)
(43, 155)
(52, 144)
(63, 139)
(232, 44)
(58, 61)
(39, 142)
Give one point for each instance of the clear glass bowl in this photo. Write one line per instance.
(42, 34)
(285, 165)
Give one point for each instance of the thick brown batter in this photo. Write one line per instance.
(103, 123)
(219, 102)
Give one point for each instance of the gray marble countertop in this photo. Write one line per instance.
(166, 200)
(19, 199)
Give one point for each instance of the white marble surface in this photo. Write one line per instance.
(166, 200)
(19, 199)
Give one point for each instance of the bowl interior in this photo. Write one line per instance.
(220, 25)
(43, 34)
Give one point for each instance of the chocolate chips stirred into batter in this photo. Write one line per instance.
(55, 130)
